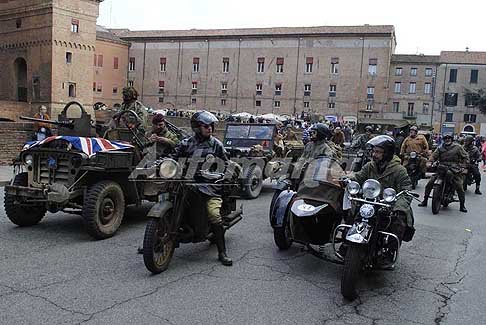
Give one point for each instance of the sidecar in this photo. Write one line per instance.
(309, 214)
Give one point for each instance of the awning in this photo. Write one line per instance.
(396, 123)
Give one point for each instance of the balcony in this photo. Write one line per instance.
(409, 116)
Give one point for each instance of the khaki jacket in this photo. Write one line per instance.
(395, 176)
(418, 144)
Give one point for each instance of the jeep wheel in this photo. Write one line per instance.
(254, 182)
(22, 216)
(103, 209)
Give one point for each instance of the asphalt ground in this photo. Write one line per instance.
(54, 273)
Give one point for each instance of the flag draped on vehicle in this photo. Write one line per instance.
(89, 146)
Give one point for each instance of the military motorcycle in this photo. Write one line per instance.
(180, 216)
(361, 159)
(370, 244)
(444, 189)
(469, 177)
(413, 168)
(307, 214)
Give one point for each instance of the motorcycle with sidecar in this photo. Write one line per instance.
(369, 242)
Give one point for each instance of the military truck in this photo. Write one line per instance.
(76, 172)
(252, 146)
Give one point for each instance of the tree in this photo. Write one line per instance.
(476, 98)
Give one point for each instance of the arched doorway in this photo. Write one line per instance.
(21, 79)
(469, 128)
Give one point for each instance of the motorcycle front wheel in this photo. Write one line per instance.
(158, 245)
(352, 266)
(436, 199)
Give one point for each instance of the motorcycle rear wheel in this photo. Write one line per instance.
(158, 246)
(436, 199)
(352, 267)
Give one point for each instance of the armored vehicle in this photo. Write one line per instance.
(76, 172)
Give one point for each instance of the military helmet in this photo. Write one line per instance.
(469, 139)
(322, 130)
(130, 92)
(368, 128)
(448, 135)
(385, 142)
(203, 117)
(414, 128)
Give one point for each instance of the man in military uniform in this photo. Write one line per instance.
(164, 140)
(361, 141)
(415, 143)
(318, 145)
(474, 157)
(200, 145)
(130, 103)
(452, 155)
(387, 169)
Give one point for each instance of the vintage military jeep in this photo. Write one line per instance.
(252, 146)
(76, 172)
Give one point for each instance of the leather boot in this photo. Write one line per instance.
(478, 192)
(218, 231)
(463, 208)
(424, 202)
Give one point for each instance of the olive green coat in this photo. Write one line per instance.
(315, 149)
(452, 155)
(138, 108)
(395, 176)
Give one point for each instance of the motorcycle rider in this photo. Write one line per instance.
(361, 141)
(200, 145)
(164, 140)
(474, 158)
(387, 169)
(418, 144)
(318, 144)
(453, 155)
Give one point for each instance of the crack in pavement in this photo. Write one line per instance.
(444, 309)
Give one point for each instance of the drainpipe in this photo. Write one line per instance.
(238, 75)
(177, 74)
(443, 92)
(207, 70)
(296, 75)
(143, 68)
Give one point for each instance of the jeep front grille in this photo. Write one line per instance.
(48, 175)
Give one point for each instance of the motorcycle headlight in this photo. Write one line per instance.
(353, 188)
(29, 160)
(413, 155)
(168, 168)
(389, 195)
(366, 211)
(371, 189)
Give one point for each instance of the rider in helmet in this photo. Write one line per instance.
(202, 144)
(415, 143)
(474, 158)
(361, 141)
(131, 103)
(386, 168)
(318, 145)
(453, 155)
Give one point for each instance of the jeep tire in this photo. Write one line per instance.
(103, 209)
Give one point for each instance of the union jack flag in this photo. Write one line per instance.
(89, 146)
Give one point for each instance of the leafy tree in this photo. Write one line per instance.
(476, 98)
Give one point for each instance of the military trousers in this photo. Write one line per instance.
(214, 210)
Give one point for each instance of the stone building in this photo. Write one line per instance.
(458, 74)
(412, 88)
(45, 48)
(110, 63)
(335, 71)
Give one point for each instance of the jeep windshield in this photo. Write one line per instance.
(248, 135)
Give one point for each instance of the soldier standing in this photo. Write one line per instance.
(474, 158)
